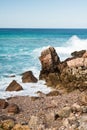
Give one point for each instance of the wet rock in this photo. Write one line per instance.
(76, 54)
(13, 109)
(28, 77)
(11, 76)
(3, 103)
(14, 86)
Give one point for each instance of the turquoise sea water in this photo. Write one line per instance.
(20, 49)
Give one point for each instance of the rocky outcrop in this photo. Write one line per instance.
(49, 61)
(28, 77)
(70, 74)
(14, 86)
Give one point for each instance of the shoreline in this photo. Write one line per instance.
(63, 108)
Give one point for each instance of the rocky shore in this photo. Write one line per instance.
(64, 108)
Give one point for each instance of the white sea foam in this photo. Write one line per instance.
(29, 89)
(73, 44)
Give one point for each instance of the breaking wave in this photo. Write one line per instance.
(73, 44)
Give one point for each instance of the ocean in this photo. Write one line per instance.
(20, 50)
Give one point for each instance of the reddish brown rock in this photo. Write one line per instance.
(3, 103)
(14, 86)
(13, 108)
(49, 62)
(29, 77)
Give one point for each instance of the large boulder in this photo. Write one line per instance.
(49, 62)
(14, 86)
(28, 77)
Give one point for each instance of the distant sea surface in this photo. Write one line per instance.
(20, 50)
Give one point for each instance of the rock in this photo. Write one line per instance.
(21, 127)
(35, 98)
(83, 122)
(49, 62)
(3, 103)
(76, 54)
(7, 124)
(85, 55)
(76, 108)
(83, 99)
(65, 112)
(74, 78)
(1, 129)
(69, 75)
(65, 122)
(41, 94)
(84, 109)
(33, 122)
(13, 109)
(72, 120)
(52, 79)
(5, 117)
(53, 93)
(14, 86)
(78, 62)
(50, 117)
(28, 77)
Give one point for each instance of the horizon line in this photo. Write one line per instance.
(36, 28)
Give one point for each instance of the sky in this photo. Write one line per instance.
(43, 13)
